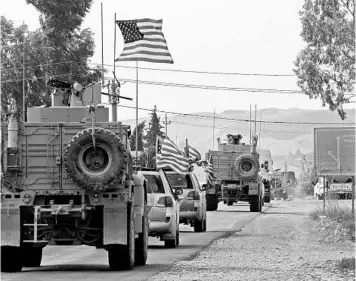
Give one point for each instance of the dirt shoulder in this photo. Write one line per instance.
(282, 243)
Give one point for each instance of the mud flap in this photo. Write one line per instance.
(115, 225)
(10, 227)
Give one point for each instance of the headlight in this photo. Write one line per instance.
(26, 198)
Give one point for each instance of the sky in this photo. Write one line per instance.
(221, 36)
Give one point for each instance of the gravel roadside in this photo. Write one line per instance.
(281, 243)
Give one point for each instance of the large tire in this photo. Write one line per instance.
(255, 204)
(199, 225)
(141, 246)
(246, 166)
(98, 169)
(11, 259)
(32, 257)
(267, 199)
(230, 203)
(122, 257)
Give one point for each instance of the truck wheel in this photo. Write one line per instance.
(141, 243)
(267, 199)
(122, 257)
(95, 169)
(177, 236)
(255, 204)
(32, 257)
(230, 203)
(246, 166)
(209, 203)
(199, 225)
(11, 259)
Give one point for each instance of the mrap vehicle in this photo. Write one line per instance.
(67, 179)
(236, 174)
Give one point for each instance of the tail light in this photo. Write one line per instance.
(193, 195)
(167, 201)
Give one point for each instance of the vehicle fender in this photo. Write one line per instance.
(140, 197)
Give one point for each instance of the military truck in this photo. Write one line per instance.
(67, 179)
(266, 170)
(236, 173)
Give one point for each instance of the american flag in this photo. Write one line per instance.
(193, 154)
(209, 171)
(144, 41)
(169, 156)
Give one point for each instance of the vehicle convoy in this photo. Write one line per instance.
(192, 201)
(163, 207)
(336, 187)
(236, 174)
(280, 182)
(68, 179)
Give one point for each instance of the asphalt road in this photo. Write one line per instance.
(87, 263)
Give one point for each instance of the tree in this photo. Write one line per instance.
(140, 128)
(326, 66)
(57, 50)
(297, 154)
(154, 129)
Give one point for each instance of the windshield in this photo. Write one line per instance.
(154, 184)
(176, 180)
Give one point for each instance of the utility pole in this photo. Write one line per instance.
(250, 124)
(166, 123)
(259, 135)
(214, 131)
(255, 119)
(23, 81)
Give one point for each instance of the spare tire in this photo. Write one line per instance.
(96, 169)
(246, 166)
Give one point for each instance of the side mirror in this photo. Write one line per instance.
(204, 187)
(178, 191)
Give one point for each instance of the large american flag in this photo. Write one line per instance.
(144, 41)
(169, 156)
(209, 171)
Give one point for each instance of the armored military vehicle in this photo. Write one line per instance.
(67, 179)
(236, 174)
(266, 171)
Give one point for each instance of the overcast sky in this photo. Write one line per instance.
(228, 36)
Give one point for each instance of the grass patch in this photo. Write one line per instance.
(348, 263)
(335, 211)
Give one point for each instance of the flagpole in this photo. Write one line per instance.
(113, 103)
(102, 46)
(136, 109)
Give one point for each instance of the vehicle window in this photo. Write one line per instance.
(178, 180)
(154, 184)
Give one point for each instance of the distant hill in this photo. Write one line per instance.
(280, 139)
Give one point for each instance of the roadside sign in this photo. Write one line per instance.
(334, 151)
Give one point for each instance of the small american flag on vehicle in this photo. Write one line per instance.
(209, 171)
(144, 41)
(193, 154)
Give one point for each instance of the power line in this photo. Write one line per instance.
(203, 72)
(211, 87)
(209, 126)
(33, 66)
(238, 120)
